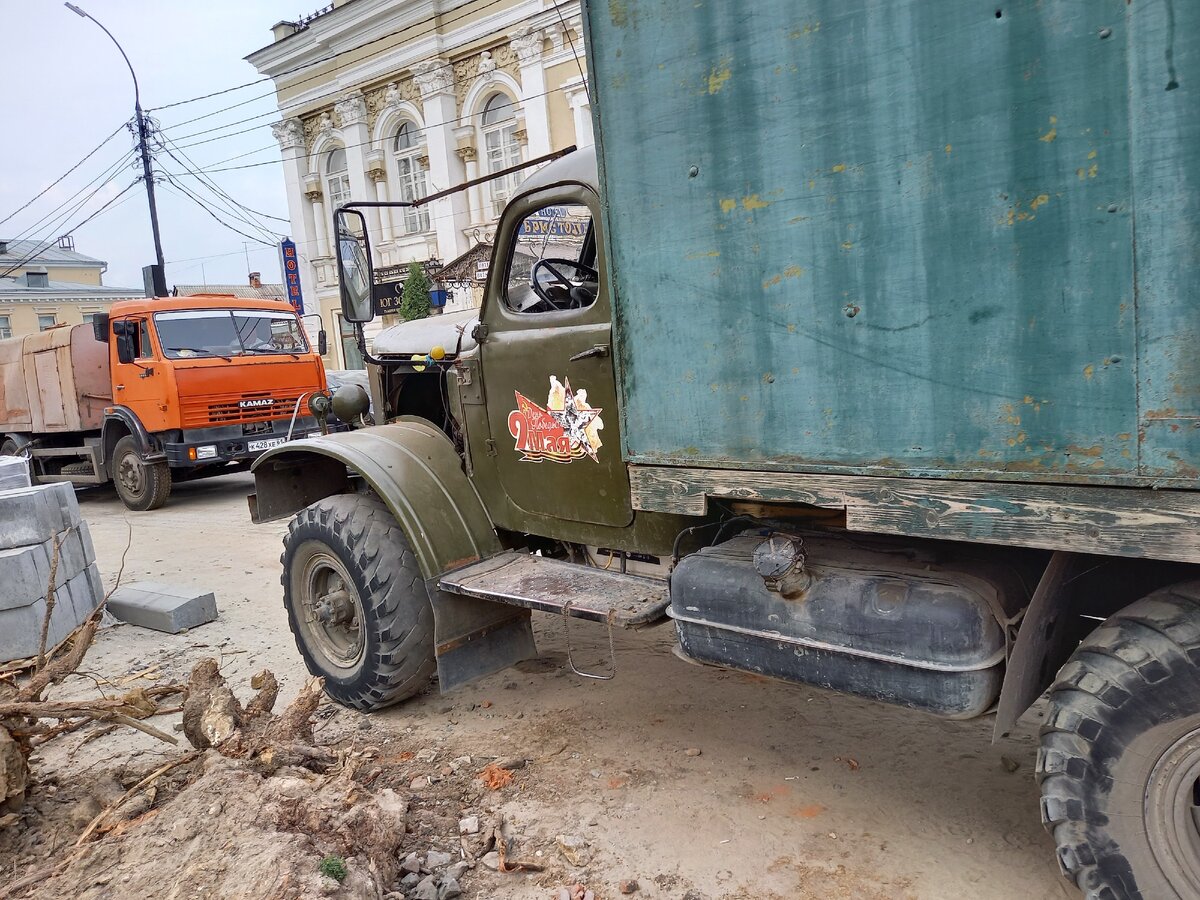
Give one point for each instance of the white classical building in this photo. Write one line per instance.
(399, 99)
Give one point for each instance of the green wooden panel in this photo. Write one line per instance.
(1165, 74)
(900, 236)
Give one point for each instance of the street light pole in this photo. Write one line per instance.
(160, 277)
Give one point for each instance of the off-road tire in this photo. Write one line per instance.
(155, 480)
(396, 617)
(1128, 698)
(8, 447)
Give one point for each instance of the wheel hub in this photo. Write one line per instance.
(129, 473)
(331, 611)
(1172, 814)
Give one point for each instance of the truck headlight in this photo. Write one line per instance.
(208, 451)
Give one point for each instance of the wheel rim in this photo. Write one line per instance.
(1172, 814)
(130, 475)
(329, 610)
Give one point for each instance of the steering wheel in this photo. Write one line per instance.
(568, 295)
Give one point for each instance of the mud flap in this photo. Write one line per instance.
(474, 638)
(1042, 642)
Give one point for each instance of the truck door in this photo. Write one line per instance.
(547, 362)
(140, 385)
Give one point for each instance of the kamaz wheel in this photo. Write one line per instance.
(356, 602)
(1119, 765)
(140, 485)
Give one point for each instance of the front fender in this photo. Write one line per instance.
(411, 465)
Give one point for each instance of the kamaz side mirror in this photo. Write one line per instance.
(322, 343)
(125, 348)
(100, 327)
(355, 276)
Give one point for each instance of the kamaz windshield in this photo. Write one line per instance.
(188, 334)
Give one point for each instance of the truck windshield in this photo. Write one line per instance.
(228, 332)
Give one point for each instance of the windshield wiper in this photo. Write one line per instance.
(271, 350)
(200, 350)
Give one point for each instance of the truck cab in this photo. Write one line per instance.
(838, 391)
(160, 390)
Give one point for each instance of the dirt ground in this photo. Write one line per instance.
(796, 792)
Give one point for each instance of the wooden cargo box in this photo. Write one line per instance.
(944, 238)
(54, 381)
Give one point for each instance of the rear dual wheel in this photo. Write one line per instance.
(1119, 765)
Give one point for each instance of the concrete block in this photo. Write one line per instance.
(162, 607)
(35, 514)
(25, 571)
(24, 575)
(85, 542)
(95, 586)
(14, 473)
(21, 627)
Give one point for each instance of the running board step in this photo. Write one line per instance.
(557, 586)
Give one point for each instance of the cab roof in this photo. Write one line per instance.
(196, 301)
(578, 167)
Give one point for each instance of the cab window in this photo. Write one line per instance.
(143, 349)
(552, 264)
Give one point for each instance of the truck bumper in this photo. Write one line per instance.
(232, 443)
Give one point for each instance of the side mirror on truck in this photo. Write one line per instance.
(100, 327)
(355, 277)
(322, 343)
(123, 331)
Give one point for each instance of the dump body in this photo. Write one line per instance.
(934, 237)
(54, 381)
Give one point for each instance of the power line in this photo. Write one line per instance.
(183, 192)
(448, 65)
(192, 169)
(227, 209)
(41, 249)
(108, 174)
(57, 180)
(366, 143)
(333, 56)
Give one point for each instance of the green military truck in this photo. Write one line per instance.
(862, 351)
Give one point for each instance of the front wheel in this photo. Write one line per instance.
(1119, 765)
(356, 602)
(140, 485)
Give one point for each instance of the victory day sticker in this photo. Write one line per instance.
(567, 429)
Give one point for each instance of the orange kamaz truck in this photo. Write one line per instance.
(158, 390)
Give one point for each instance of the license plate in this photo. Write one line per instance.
(265, 444)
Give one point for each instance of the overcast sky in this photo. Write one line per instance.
(66, 88)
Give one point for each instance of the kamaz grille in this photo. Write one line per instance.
(238, 409)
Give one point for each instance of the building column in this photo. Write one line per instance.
(581, 111)
(381, 218)
(451, 215)
(528, 43)
(351, 112)
(464, 149)
(290, 134)
(322, 248)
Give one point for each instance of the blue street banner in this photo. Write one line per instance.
(291, 274)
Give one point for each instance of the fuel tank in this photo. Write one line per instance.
(921, 624)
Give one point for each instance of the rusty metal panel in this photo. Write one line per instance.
(91, 381)
(899, 238)
(554, 585)
(62, 377)
(15, 414)
(50, 409)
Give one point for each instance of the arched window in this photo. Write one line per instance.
(337, 179)
(499, 121)
(408, 149)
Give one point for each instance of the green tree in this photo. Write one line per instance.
(414, 299)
